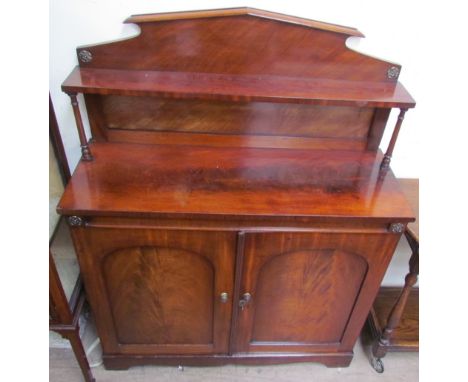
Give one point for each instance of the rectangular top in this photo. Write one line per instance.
(237, 87)
(151, 180)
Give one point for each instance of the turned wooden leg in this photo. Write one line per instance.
(379, 348)
(85, 151)
(388, 154)
(77, 346)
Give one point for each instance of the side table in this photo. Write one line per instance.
(394, 318)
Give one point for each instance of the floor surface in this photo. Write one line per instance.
(398, 367)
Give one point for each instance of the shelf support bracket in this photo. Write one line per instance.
(388, 154)
(85, 151)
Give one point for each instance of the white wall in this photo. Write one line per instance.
(391, 28)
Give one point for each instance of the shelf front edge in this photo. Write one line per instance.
(236, 88)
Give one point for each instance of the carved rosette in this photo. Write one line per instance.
(75, 221)
(85, 56)
(396, 228)
(393, 73)
(86, 153)
(385, 165)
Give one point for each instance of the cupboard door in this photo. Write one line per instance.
(159, 291)
(308, 292)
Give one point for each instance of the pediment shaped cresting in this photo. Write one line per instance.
(239, 41)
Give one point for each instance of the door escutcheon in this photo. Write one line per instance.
(246, 298)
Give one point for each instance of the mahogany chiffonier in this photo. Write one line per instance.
(233, 205)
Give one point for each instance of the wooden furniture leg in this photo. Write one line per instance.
(65, 321)
(379, 348)
(85, 151)
(77, 346)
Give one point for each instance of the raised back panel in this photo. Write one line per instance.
(245, 42)
(221, 117)
(237, 42)
(120, 114)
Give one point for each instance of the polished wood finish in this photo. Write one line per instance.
(232, 87)
(158, 291)
(58, 301)
(123, 362)
(305, 289)
(138, 19)
(410, 188)
(235, 118)
(191, 314)
(202, 63)
(164, 180)
(377, 128)
(228, 140)
(64, 317)
(85, 151)
(244, 44)
(235, 151)
(393, 139)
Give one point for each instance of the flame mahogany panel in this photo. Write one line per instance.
(156, 291)
(172, 286)
(299, 311)
(309, 290)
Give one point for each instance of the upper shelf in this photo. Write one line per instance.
(238, 87)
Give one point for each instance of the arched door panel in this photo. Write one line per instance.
(306, 296)
(156, 291)
(160, 295)
(305, 290)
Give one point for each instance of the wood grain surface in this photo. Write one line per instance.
(158, 291)
(236, 87)
(310, 291)
(406, 335)
(234, 151)
(235, 118)
(160, 295)
(306, 296)
(242, 44)
(148, 18)
(156, 180)
(410, 188)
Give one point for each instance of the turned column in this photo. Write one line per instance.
(394, 317)
(85, 151)
(388, 154)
